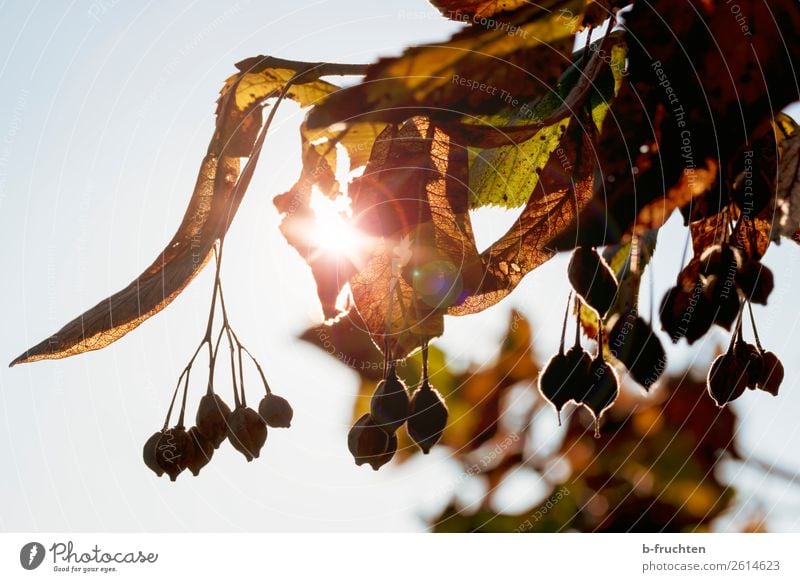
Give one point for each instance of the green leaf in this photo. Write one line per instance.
(506, 176)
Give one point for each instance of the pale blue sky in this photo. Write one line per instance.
(105, 112)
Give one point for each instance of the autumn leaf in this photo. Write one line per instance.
(319, 155)
(562, 191)
(412, 200)
(479, 70)
(216, 197)
(586, 82)
(347, 340)
(507, 175)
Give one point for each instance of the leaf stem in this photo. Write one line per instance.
(183, 402)
(564, 324)
(755, 330)
(172, 402)
(425, 363)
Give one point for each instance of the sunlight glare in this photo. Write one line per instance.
(332, 232)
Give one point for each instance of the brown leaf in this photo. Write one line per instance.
(692, 183)
(216, 197)
(563, 190)
(330, 271)
(709, 231)
(210, 211)
(412, 198)
(348, 340)
(476, 71)
(591, 73)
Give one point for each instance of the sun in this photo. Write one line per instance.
(332, 233)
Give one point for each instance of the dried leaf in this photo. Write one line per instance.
(479, 70)
(563, 190)
(412, 199)
(212, 206)
(348, 340)
(216, 197)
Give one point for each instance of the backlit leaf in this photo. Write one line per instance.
(216, 197)
(477, 71)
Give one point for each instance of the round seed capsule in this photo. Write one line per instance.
(202, 451)
(369, 443)
(751, 359)
(212, 418)
(276, 411)
(427, 417)
(390, 403)
(247, 432)
(592, 279)
(173, 451)
(727, 378)
(149, 453)
(633, 342)
(771, 373)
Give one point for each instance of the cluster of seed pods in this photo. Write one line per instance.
(712, 289)
(173, 450)
(373, 438)
(743, 365)
(575, 376)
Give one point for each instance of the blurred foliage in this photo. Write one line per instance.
(654, 467)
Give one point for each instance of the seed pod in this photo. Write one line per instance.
(723, 301)
(202, 451)
(389, 404)
(149, 453)
(592, 279)
(633, 342)
(564, 378)
(579, 363)
(686, 314)
(727, 378)
(212, 418)
(427, 417)
(553, 382)
(771, 373)
(755, 281)
(749, 356)
(247, 432)
(380, 460)
(369, 443)
(276, 411)
(721, 261)
(173, 451)
(603, 388)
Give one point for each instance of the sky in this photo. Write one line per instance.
(106, 110)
